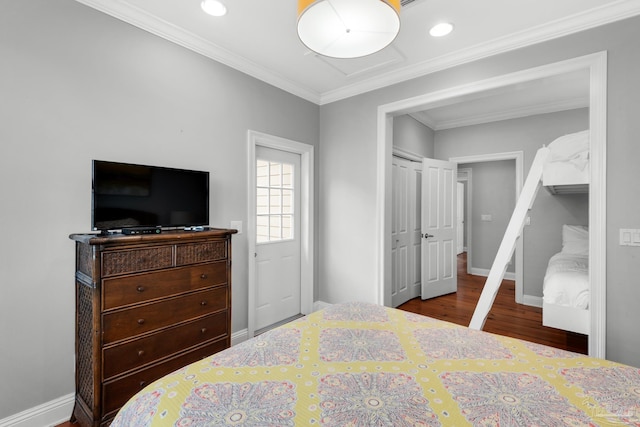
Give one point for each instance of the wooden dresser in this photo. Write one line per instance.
(146, 305)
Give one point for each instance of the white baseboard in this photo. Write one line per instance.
(319, 305)
(52, 413)
(532, 301)
(485, 273)
(240, 336)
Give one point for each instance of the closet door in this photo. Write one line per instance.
(405, 241)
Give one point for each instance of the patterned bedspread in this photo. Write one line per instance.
(359, 364)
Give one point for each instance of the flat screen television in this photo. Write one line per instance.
(126, 196)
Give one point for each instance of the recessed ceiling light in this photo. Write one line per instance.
(441, 29)
(213, 7)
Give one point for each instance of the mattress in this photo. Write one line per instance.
(566, 282)
(567, 169)
(358, 364)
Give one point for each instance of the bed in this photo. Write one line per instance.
(565, 301)
(567, 169)
(359, 364)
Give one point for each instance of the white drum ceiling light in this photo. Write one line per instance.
(348, 28)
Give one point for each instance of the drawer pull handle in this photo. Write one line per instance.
(140, 321)
(203, 276)
(142, 383)
(140, 289)
(203, 330)
(203, 303)
(140, 352)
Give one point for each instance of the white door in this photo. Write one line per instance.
(460, 217)
(405, 230)
(277, 236)
(439, 229)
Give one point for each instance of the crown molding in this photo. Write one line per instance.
(515, 113)
(591, 18)
(161, 28)
(608, 13)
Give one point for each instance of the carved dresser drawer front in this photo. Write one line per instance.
(136, 260)
(121, 291)
(116, 393)
(193, 253)
(142, 351)
(121, 324)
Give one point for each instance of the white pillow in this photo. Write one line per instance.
(575, 239)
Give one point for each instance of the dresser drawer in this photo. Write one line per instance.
(116, 393)
(128, 356)
(121, 291)
(121, 324)
(193, 253)
(136, 260)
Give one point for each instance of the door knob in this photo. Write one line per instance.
(426, 236)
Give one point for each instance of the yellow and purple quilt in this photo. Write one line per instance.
(360, 364)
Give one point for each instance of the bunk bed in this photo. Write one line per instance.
(563, 168)
(565, 301)
(567, 168)
(566, 283)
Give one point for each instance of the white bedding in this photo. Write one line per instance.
(568, 163)
(566, 282)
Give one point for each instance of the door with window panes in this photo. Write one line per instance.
(277, 236)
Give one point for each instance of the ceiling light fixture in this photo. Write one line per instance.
(213, 7)
(348, 28)
(441, 29)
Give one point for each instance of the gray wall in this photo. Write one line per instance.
(76, 84)
(493, 193)
(412, 136)
(543, 237)
(348, 195)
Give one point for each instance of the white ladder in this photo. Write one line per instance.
(508, 244)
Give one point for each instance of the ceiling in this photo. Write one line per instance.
(258, 37)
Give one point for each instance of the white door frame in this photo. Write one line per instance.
(306, 218)
(597, 65)
(460, 208)
(466, 175)
(518, 156)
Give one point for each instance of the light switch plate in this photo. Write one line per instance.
(629, 237)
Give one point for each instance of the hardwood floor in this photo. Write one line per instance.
(505, 318)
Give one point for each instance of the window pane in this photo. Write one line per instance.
(275, 230)
(287, 176)
(262, 173)
(287, 201)
(275, 201)
(262, 201)
(275, 174)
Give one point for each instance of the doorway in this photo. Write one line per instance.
(258, 142)
(596, 64)
(518, 159)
